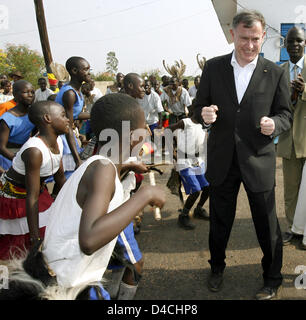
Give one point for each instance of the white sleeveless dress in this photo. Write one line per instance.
(61, 245)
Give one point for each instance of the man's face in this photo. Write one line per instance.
(185, 83)
(156, 86)
(119, 78)
(174, 84)
(197, 82)
(138, 90)
(295, 44)
(148, 87)
(247, 42)
(42, 84)
(83, 71)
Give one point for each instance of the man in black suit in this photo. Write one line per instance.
(244, 100)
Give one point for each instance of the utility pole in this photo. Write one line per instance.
(43, 33)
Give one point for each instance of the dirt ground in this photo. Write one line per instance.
(176, 261)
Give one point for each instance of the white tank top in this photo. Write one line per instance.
(61, 244)
(50, 161)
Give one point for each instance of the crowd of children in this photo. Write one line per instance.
(67, 236)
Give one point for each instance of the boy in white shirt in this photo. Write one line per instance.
(43, 92)
(190, 163)
(152, 107)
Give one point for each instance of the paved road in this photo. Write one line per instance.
(176, 261)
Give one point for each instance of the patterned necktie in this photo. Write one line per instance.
(294, 94)
(295, 71)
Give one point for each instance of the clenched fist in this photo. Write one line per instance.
(267, 126)
(209, 114)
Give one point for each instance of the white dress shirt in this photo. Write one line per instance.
(299, 64)
(42, 95)
(192, 92)
(152, 106)
(242, 75)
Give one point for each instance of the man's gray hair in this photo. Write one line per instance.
(247, 18)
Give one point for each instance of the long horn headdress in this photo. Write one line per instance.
(201, 62)
(177, 70)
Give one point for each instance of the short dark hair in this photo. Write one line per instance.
(109, 111)
(130, 78)
(18, 85)
(247, 18)
(73, 62)
(296, 28)
(38, 109)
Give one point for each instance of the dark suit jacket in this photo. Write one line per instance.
(238, 125)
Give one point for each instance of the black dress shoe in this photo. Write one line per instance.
(215, 281)
(267, 293)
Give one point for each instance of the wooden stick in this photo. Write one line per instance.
(156, 165)
(157, 214)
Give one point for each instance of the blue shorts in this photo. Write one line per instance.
(128, 243)
(193, 179)
(153, 127)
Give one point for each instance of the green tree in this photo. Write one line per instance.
(20, 57)
(154, 72)
(112, 63)
(103, 76)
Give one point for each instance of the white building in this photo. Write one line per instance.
(280, 16)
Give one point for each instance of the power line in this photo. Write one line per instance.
(83, 20)
(241, 6)
(135, 33)
(106, 15)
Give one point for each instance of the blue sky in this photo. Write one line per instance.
(141, 32)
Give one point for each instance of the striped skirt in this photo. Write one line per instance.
(14, 230)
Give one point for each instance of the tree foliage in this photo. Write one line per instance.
(103, 76)
(154, 72)
(112, 63)
(20, 57)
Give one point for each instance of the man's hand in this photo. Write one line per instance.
(267, 126)
(139, 167)
(298, 84)
(136, 166)
(209, 114)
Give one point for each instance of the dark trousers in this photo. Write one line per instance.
(223, 200)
